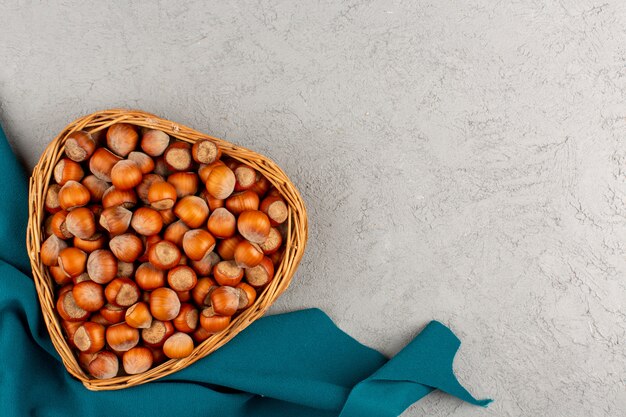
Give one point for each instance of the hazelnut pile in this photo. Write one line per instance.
(154, 245)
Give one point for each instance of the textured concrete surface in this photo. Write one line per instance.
(461, 161)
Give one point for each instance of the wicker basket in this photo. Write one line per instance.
(297, 231)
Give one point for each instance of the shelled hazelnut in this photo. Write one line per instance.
(154, 244)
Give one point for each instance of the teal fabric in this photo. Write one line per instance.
(295, 364)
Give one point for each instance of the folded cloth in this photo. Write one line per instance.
(294, 364)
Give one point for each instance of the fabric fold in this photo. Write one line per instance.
(424, 365)
(13, 208)
(293, 364)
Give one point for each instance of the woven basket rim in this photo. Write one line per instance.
(297, 235)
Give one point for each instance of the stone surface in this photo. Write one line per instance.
(461, 161)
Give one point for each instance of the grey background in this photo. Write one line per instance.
(461, 161)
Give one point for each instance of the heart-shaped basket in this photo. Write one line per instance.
(297, 231)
